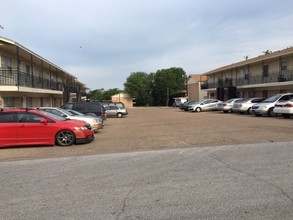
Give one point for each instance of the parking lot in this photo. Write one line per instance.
(166, 128)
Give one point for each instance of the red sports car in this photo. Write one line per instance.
(22, 127)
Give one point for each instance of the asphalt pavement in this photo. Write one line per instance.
(252, 181)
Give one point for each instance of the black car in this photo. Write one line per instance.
(88, 108)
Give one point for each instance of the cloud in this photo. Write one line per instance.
(103, 42)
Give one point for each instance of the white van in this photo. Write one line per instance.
(178, 101)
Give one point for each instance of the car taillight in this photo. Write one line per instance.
(288, 105)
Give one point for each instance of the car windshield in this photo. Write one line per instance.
(60, 118)
(240, 100)
(75, 112)
(245, 100)
(67, 112)
(272, 99)
(230, 100)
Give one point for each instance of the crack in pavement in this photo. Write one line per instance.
(213, 155)
(124, 203)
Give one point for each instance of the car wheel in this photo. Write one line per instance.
(248, 111)
(65, 138)
(119, 115)
(271, 112)
(286, 115)
(225, 111)
(198, 109)
(258, 115)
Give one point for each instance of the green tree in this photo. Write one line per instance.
(167, 83)
(138, 85)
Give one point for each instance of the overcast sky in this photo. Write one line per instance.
(102, 42)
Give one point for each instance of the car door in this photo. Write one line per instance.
(207, 105)
(7, 129)
(213, 104)
(112, 110)
(31, 131)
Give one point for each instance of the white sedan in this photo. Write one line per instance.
(284, 108)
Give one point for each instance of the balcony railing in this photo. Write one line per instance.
(10, 77)
(285, 75)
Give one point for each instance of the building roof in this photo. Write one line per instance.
(260, 58)
(6, 41)
(193, 78)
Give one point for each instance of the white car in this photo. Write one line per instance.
(204, 105)
(95, 122)
(245, 105)
(284, 108)
(267, 106)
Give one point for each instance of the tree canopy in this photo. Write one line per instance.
(101, 94)
(155, 88)
(167, 83)
(138, 85)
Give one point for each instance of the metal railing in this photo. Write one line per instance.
(272, 77)
(11, 77)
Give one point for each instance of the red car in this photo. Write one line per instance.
(20, 127)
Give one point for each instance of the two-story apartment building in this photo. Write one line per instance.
(28, 80)
(261, 76)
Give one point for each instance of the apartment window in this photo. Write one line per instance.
(27, 69)
(6, 65)
(265, 70)
(246, 76)
(284, 65)
(9, 101)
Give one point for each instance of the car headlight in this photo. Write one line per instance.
(80, 128)
(264, 107)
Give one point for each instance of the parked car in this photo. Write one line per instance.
(88, 108)
(183, 106)
(204, 105)
(96, 123)
(284, 108)
(186, 105)
(115, 111)
(226, 106)
(23, 127)
(245, 105)
(267, 106)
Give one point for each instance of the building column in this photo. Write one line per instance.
(24, 105)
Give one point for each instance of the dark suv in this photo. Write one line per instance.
(87, 108)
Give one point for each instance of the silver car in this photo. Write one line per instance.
(115, 111)
(226, 106)
(204, 105)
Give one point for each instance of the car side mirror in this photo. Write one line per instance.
(43, 121)
(64, 116)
